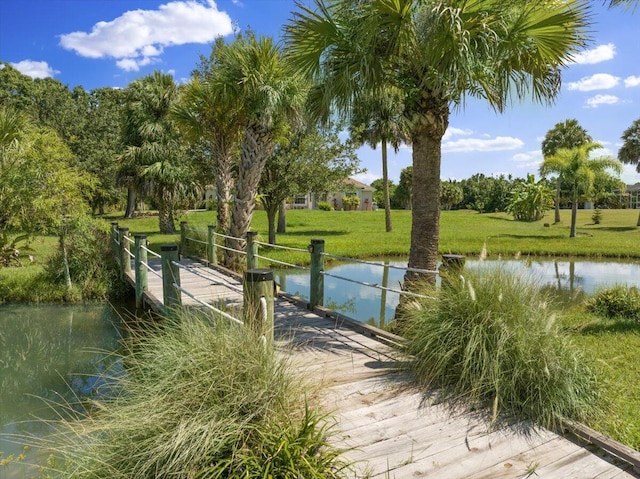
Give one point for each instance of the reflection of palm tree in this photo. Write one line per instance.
(383, 295)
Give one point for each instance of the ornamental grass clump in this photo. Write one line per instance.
(200, 402)
(489, 339)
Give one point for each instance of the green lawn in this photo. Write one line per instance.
(362, 233)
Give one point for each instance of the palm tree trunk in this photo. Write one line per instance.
(272, 210)
(385, 187)
(574, 214)
(558, 191)
(165, 218)
(282, 217)
(224, 181)
(425, 204)
(255, 149)
(131, 202)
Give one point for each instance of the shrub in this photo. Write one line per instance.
(351, 202)
(325, 206)
(616, 302)
(91, 266)
(596, 217)
(489, 339)
(200, 401)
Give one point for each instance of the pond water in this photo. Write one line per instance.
(570, 278)
(51, 355)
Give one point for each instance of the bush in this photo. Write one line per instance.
(351, 202)
(93, 271)
(201, 401)
(325, 206)
(616, 302)
(489, 339)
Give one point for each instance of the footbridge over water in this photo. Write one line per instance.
(389, 430)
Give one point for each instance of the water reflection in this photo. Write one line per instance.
(55, 354)
(568, 277)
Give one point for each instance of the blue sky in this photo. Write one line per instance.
(109, 43)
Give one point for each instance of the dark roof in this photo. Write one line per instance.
(633, 188)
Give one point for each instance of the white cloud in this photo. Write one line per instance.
(35, 69)
(596, 101)
(528, 159)
(596, 55)
(498, 143)
(629, 174)
(137, 37)
(632, 81)
(452, 131)
(598, 81)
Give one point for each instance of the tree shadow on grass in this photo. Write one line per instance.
(609, 326)
(542, 237)
(619, 228)
(318, 233)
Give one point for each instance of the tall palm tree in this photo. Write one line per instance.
(378, 118)
(156, 155)
(578, 172)
(253, 76)
(204, 118)
(568, 134)
(437, 53)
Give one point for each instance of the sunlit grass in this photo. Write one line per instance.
(489, 339)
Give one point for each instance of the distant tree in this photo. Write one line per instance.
(378, 117)
(156, 153)
(450, 194)
(403, 194)
(313, 161)
(39, 186)
(529, 200)
(378, 195)
(629, 153)
(579, 172)
(96, 142)
(568, 134)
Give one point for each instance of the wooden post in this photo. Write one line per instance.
(142, 280)
(452, 265)
(383, 294)
(114, 240)
(183, 239)
(252, 250)
(316, 282)
(212, 257)
(258, 302)
(170, 275)
(125, 260)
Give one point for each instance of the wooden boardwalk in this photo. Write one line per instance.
(390, 431)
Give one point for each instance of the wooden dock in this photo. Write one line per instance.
(388, 430)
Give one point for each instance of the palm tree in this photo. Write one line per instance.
(578, 172)
(378, 117)
(253, 76)
(205, 119)
(568, 134)
(155, 157)
(630, 151)
(437, 53)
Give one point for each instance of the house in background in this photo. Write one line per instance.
(338, 199)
